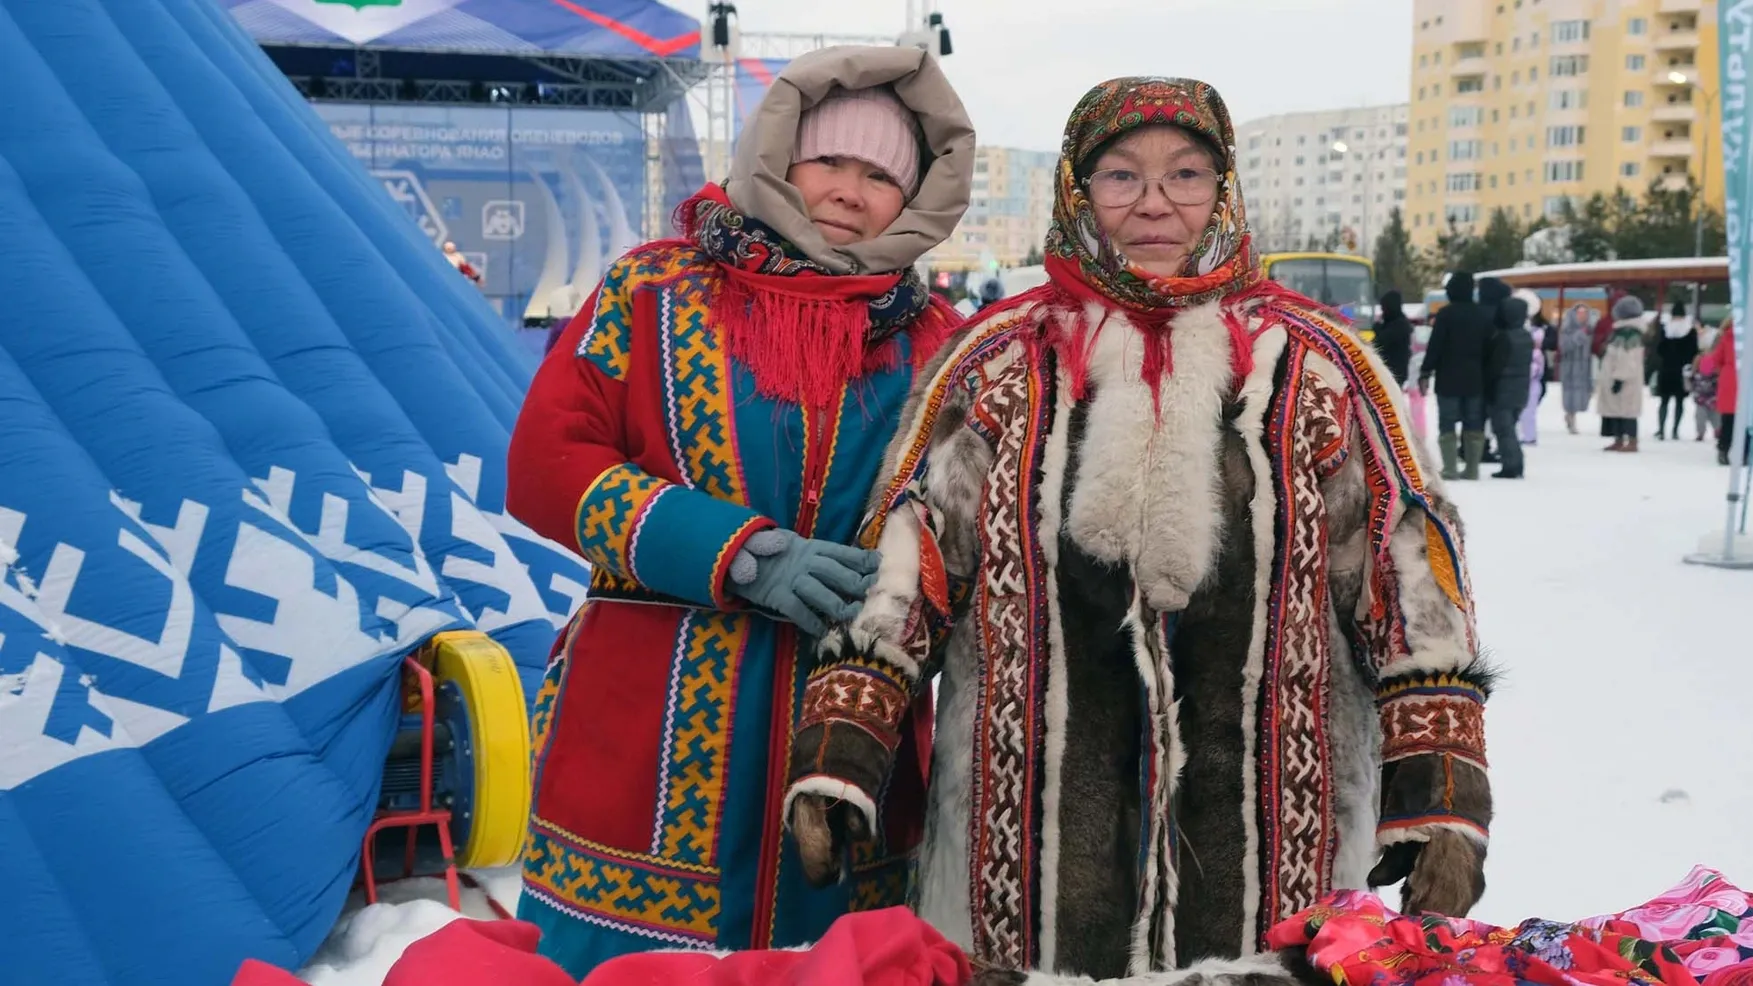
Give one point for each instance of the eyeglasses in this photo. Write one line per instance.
(1119, 187)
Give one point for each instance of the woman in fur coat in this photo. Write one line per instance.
(1197, 597)
(1619, 391)
(1576, 362)
(705, 434)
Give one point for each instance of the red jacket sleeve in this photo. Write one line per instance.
(571, 479)
(568, 434)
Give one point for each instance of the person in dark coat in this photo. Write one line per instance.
(1508, 379)
(1394, 337)
(1492, 292)
(1675, 352)
(1455, 357)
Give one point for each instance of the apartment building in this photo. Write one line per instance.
(1328, 176)
(1520, 104)
(1008, 215)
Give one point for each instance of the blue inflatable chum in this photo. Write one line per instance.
(252, 445)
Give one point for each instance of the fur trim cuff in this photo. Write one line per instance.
(1393, 833)
(834, 789)
(1428, 792)
(849, 645)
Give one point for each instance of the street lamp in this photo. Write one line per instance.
(1681, 79)
(1341, 147)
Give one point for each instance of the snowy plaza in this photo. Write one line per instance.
(773, 493)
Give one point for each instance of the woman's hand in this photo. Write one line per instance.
(814, 584)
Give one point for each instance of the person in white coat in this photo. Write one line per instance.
(1619, 385)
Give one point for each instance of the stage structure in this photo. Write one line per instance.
(543, 137)
(740, 66)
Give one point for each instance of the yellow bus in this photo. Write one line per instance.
(1341, 281)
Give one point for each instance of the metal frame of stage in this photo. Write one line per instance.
(406, 75)
(415, 76)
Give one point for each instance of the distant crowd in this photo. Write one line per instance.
(1492, 354)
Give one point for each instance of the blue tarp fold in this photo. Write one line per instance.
(252, 444)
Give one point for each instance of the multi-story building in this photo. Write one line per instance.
(1328, 178)
(1008, 215)
(1519, 104)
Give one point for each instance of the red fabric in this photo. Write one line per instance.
(558, 446)
(1721, 361)
(1698, 932)
(1074, 338)
(770, 322)
(255, 973)
(767, 321)
(870, 948)
(611, 731)
(477, 953)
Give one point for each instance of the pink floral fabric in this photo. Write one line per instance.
(1698, 934)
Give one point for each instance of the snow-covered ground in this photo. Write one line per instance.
(1618, 734)
(368, 940)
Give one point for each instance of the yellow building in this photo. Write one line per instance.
(1008, 214)
(1521, 103)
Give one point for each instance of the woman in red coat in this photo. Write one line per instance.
(1721, 362)
(705, 434)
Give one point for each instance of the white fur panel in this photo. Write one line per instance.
(892, 604)
(944, 895)
(869, 643)
(1436, 630)
(1146, 491)
(955, 485)
(1255, 970)
(1355, 733)
(833, 789)
(1256, 400)
(1052, 496)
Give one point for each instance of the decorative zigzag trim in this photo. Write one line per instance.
(910, 466)
(1387, 435)
(1442, 715)
(847, 645)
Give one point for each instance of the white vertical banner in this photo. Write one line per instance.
(1735, 49)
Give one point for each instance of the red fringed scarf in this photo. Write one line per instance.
(1069, 331)
(803, 332)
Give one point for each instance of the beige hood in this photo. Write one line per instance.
(758, 188)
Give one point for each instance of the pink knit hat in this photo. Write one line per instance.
(870, 125)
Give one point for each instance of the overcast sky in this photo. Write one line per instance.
(1021, 65)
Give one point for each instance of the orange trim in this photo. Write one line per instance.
(1436, 818)
(643, 40)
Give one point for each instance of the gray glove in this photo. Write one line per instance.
(814, 584)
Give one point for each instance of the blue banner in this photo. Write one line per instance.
(1735, 49)
(540, 200)
(754, 76)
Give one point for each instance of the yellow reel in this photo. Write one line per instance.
(479, 696)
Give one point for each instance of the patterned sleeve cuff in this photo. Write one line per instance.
(850, 724)
(668, 538)
(1433, 759)
(1432, 714)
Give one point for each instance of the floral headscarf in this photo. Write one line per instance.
(1223, 263)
